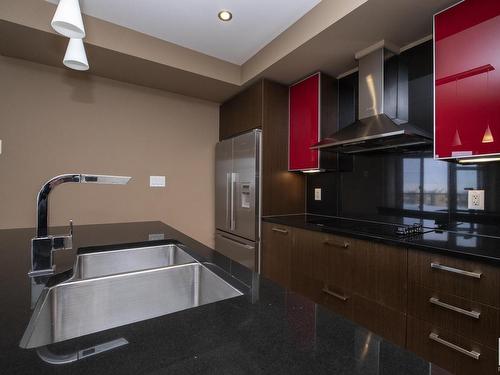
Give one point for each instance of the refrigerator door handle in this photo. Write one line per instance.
(232, 225)
(228, 199)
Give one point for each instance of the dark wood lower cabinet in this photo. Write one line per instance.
(455, 353)
(470, 319)
(475, 281)
(375, 285)
(306, 257)
(338, 300)
(380, 273)
(384, 321)
(276, 253)
(363, 281)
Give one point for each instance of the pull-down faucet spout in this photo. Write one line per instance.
(43, 245)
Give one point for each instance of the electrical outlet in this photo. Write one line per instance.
(317, 194)
(475, 200)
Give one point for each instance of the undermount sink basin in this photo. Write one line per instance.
(90, 265)
(111, 289)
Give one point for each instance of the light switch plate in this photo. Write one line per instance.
(475, 200)
(317, 194)
(157, 181)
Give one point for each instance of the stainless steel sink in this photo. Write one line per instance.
(113, 262)
(116, 288)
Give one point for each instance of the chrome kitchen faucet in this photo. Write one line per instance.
(43, 245)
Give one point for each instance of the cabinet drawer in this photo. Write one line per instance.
(474, 320)
(452, 352)
(306, 286)
(474, 281)
(337, 299)
(380, 273)
(383, 321)
(336, 264)
(276, 253)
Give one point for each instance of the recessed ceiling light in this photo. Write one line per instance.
(225, 15)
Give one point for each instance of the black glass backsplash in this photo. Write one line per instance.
(400, 184)
(407, 185)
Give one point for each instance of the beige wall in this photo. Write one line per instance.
(54, 121)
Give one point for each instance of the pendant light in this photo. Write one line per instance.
(68, 19)
(75, 57)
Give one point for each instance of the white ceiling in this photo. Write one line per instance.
(194, 23)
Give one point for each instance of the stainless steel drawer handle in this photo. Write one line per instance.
(437, 266)
(470, 353)
(333, 294)
(437, 302)
(344, 245)
(284, 231)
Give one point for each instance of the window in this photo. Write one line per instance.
(425, 184)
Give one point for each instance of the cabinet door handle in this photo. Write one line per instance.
(437, 266)
(437, 302)
(279, 230)
(333, 294)
(344, 245)
(470, 353)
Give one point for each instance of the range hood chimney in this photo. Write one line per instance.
(383, 108)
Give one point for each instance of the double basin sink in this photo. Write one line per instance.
(109, 289)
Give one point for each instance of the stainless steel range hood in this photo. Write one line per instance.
(383, 109)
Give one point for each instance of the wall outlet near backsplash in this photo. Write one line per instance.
(317, 194)
(475, 199)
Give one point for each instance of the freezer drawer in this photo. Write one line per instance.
(236, 248)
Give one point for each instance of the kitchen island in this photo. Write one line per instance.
(268, 330)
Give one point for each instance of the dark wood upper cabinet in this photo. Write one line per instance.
(348, 100)
(242, 112)
(264, 105)
(283, 192)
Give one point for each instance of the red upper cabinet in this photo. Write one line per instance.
(313, 110)
(467, 80)
(304, 124)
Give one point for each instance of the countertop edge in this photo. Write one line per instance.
(282, 220)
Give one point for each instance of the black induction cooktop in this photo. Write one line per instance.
(404, 227)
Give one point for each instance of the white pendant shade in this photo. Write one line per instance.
(68, 19)
(75, 57)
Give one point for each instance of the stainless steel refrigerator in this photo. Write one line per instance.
(237, 198)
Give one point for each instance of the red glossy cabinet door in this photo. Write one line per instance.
(304, 124)
(467, 80)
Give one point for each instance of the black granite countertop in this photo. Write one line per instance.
(473, 242)
(268, 330)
